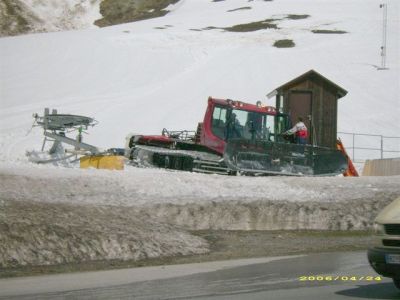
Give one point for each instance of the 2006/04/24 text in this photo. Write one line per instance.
(339, 278)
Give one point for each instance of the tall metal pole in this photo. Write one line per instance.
(354, 146)
(384, 30)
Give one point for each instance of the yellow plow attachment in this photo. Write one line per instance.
(110, 162)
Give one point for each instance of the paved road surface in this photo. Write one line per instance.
(263, 278)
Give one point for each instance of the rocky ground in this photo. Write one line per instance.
(27, 16)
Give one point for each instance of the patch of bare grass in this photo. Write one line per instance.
(284, 44)
(327, 31)
(240, 8)
(211, 27)
(253, 26)
(297, 17)
(124, 11)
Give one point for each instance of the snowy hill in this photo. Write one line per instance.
(157, 73)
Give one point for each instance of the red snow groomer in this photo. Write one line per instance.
(235, 137)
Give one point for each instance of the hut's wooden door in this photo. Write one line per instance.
(300, 104)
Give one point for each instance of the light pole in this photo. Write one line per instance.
(384, 29)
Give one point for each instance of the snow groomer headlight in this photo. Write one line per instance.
(379, 229)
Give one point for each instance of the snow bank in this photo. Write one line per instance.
(45, 234)
(138, 187)
(50, 215)
(273, 215)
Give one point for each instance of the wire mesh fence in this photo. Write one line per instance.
(362, 146)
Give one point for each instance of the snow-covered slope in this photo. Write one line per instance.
(158, 73)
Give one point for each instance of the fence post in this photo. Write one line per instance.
(381, 146)
(354, 146)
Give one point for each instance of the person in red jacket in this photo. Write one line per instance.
(299, 131)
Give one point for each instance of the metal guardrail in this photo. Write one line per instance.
(185, 135)
(361, 144)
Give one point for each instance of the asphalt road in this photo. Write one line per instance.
(341, 276)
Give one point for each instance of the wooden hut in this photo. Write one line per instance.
(315, 98)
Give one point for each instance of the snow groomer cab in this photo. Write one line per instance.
(384, 256)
